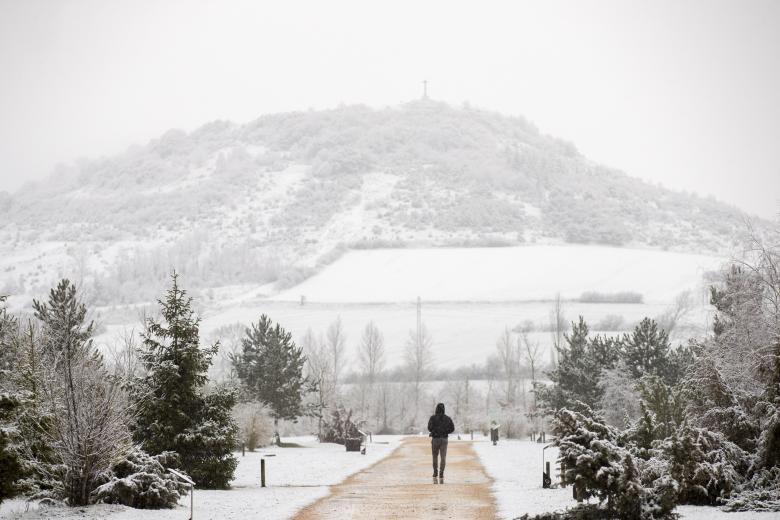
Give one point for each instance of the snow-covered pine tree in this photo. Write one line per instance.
(646, 350)
(575, 377)
(142, 481)
(589, 450)
(21, 378)
(173, 413)
(86, 426)
(706, 466)
(11, 469)
(270, 366)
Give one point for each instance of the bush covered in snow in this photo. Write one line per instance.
(760, 493)
(141, 481)
(706, 429)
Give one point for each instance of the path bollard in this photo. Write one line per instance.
(262, 472)
(243, 449)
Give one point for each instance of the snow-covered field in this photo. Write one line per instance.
(295, 477)
(501, 274)
(462, 333)
(516, 467)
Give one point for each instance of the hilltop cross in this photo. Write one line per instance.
(425, 89)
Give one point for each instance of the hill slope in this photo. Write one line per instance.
(277, 198)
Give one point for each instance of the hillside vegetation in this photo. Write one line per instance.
(275, 199)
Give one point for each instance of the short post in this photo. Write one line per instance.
(546, 469)
(243, 449)
(262, 472)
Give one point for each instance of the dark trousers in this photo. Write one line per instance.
(439, 447)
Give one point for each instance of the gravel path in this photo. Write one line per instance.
(400, 486)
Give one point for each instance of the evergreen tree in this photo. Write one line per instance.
(580, 363)
(270, 366)
(11, 469)
(173, 414)
(646, 350)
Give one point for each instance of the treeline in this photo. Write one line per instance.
(643, 427)
(79, 428)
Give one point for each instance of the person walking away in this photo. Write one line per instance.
(494, 432)
(440, 426)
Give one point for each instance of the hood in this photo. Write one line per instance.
(440, 409)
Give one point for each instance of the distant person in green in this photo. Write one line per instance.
(440, 426)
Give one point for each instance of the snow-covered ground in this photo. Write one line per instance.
(502, 274)
(516, 469)
(295, 477)
(462, 332)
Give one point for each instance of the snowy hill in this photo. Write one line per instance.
(277, 199)
(530, 273)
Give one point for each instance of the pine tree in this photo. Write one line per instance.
(270, 366)
(173, 414)
(87, 427)
(11, 469)
(646, 350)
(576, 376)
(589, 449)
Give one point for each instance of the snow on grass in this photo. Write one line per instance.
(295, 477)
(501, 274)
(516, 469)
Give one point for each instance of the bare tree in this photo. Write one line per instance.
(371, 352)
(87, 415)
(123, 355)
(682, 305)
(419, 358)
(371, 358)
(336, 340)
(507, 354)
(320, 372)
(88, 412)
(531, 349)
(557, 327)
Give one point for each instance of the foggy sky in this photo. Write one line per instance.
(682, 93)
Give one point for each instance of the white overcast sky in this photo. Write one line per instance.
(685, 93)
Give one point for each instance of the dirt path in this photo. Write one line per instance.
(400, 486)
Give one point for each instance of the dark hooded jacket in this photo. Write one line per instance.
(440, 425)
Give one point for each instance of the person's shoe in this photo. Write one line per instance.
(435, 481)
(441, 480)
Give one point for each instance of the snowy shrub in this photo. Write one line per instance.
(340, 427)
(599, 467)
(760, 493)
(706, 466)
(141, 481)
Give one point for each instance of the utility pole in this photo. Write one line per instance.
(419, 323)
